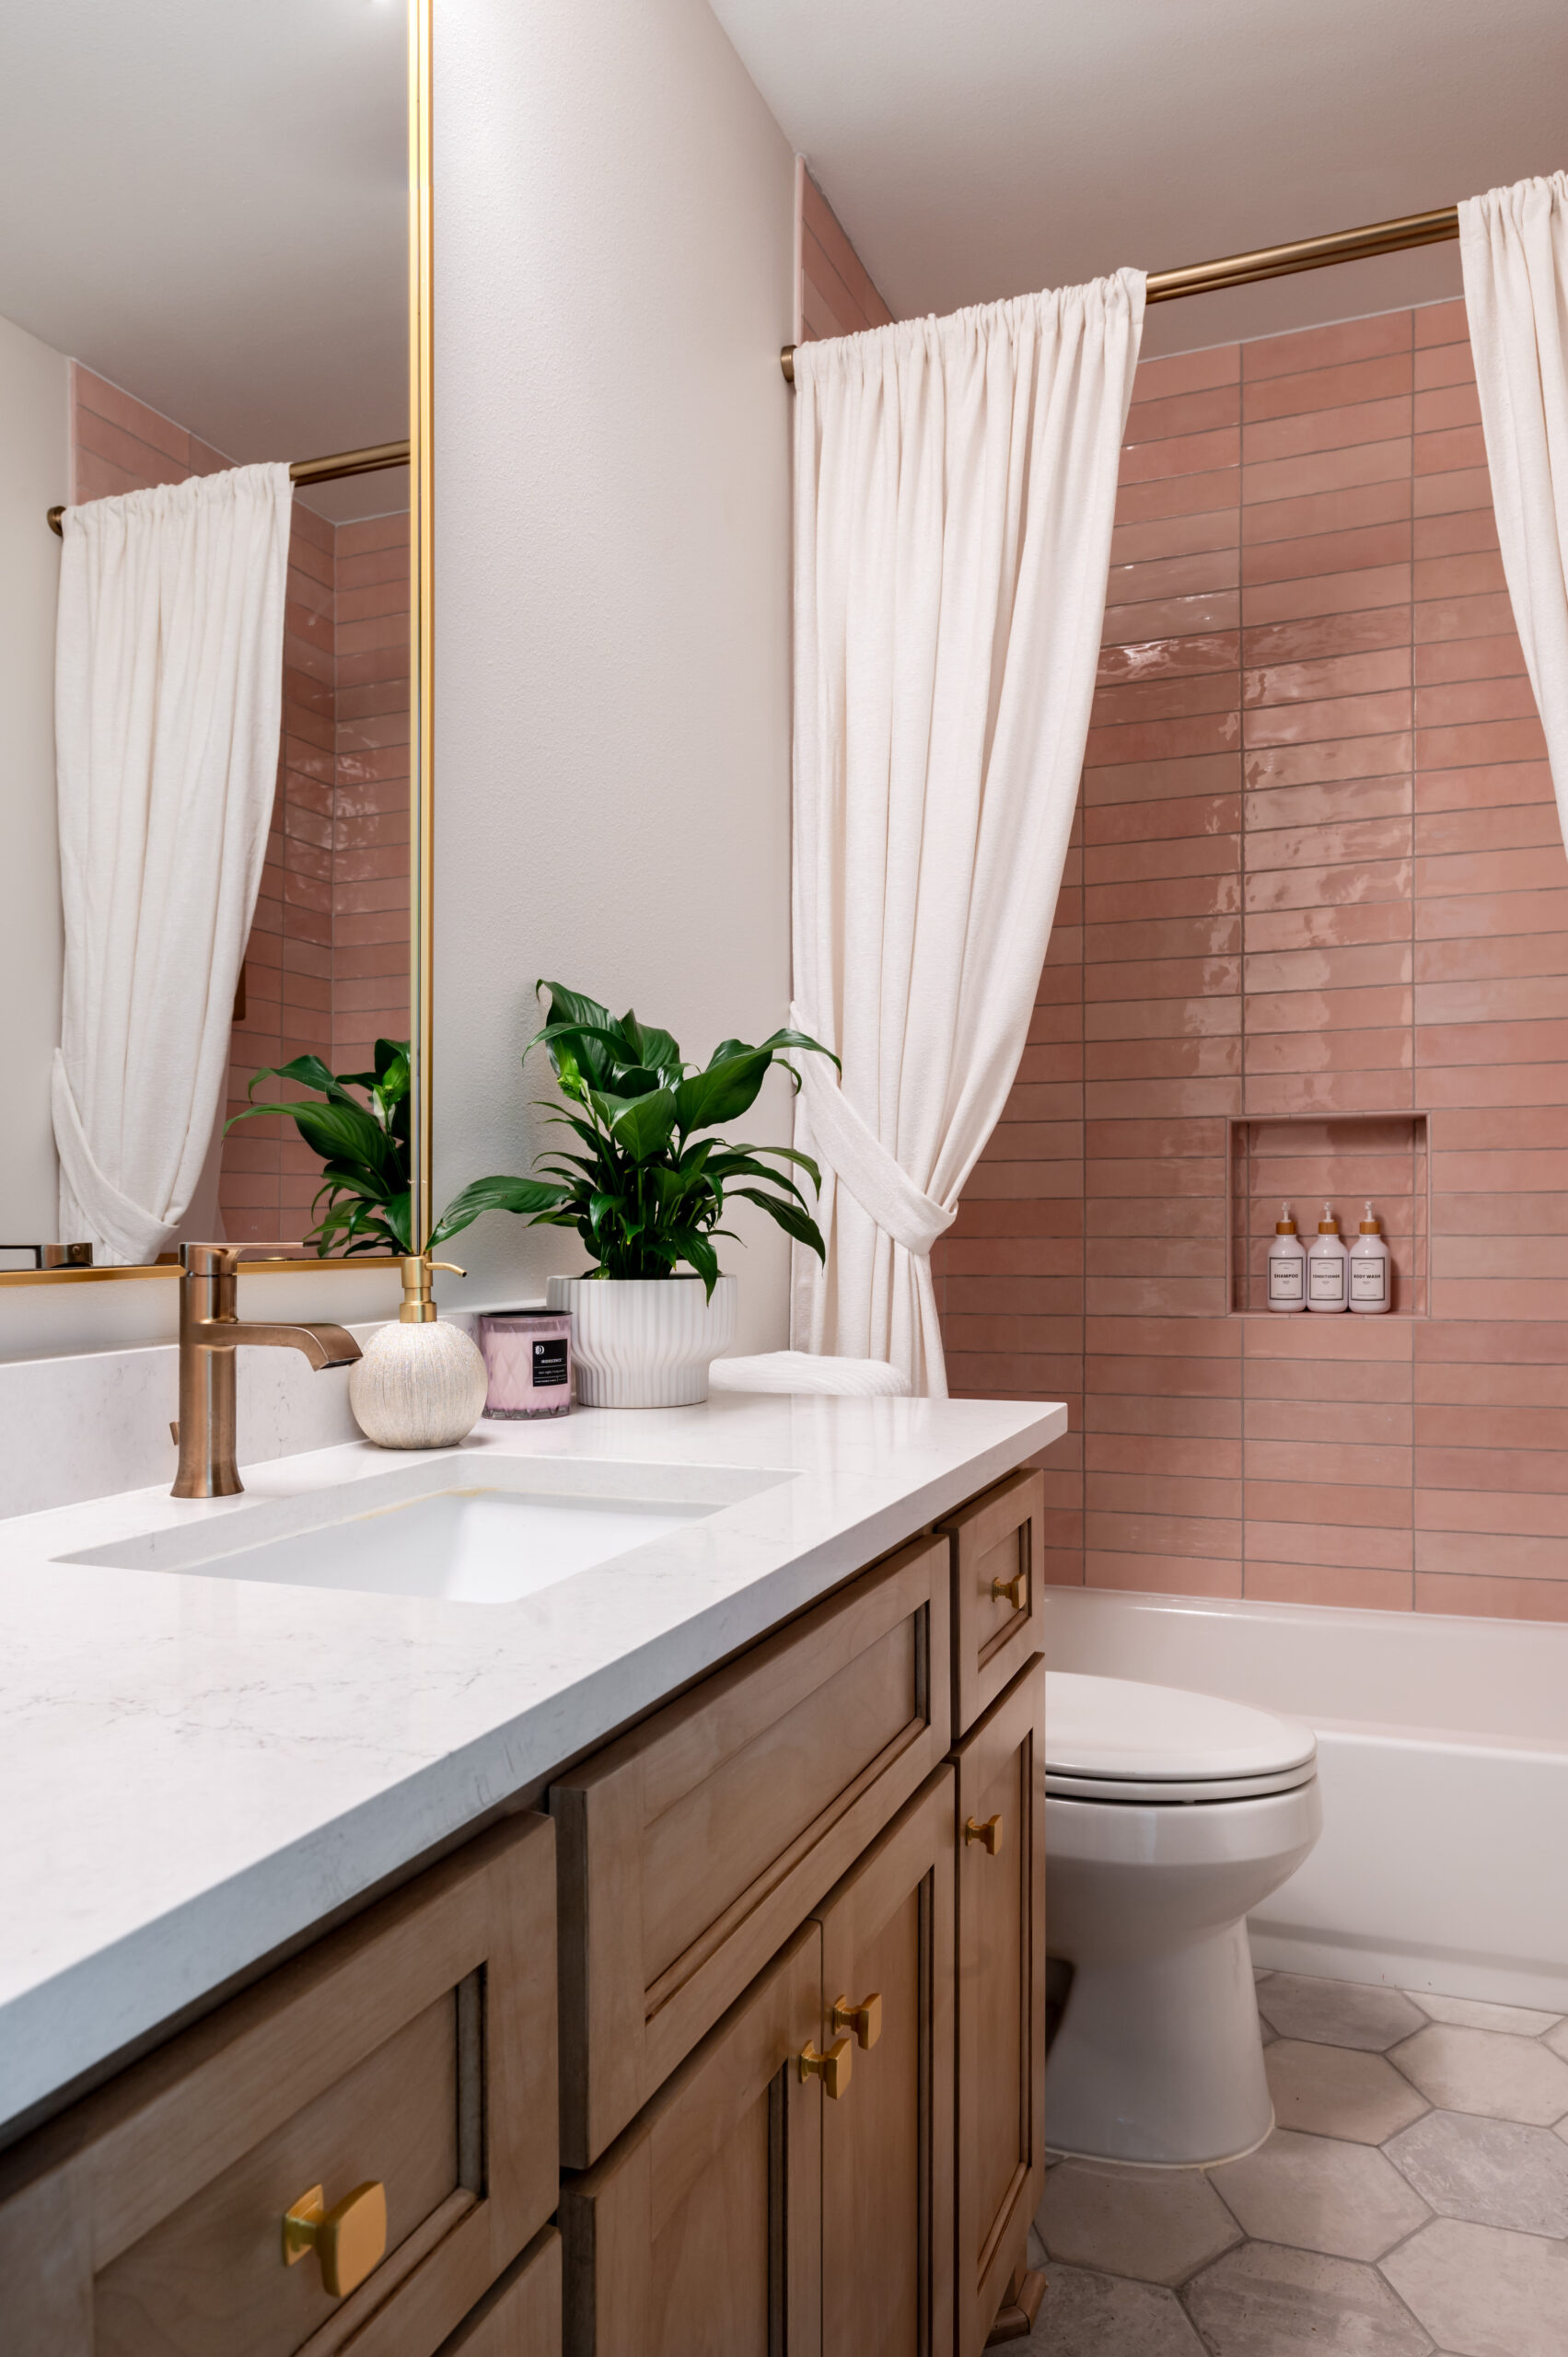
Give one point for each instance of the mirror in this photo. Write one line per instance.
(205, 269)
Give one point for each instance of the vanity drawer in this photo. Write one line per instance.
(997, 1543)
(691, 1848)
(414, 2049)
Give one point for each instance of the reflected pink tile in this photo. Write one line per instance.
(1323, 803)
(1327, 928)
(1323, 637)
(1181, 697)
(1296, 722)
(1333, 676)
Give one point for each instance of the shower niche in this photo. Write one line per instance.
(1343, 1159)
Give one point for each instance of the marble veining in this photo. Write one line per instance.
(196, 1769)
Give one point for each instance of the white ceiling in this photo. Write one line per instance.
(206, 201)
(979, 148)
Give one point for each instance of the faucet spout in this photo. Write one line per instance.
(210, 1333)
(324, 1346)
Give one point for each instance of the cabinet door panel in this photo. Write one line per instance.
(414, 2047)
(520, 2316)
(997, 1544)
(887, 2140)
(999, 2001)
(697, 2235)
(695, 1845)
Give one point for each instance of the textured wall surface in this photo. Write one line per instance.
(1314, 942)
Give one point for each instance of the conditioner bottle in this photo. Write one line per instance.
(1326, 1262)
(1287, 1265)
(1371, 1286)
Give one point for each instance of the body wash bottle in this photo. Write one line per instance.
(1325, 1266)
(1371, 1286)
(1287, 1265)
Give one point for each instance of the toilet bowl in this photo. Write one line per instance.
(1167, 1816)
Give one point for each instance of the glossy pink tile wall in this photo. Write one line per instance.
(326, 966)
(1319, 890)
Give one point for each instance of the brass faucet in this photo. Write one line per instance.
(210, 1333)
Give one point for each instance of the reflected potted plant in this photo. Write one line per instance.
(647, 1194)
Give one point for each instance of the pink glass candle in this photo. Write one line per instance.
(528, 1357)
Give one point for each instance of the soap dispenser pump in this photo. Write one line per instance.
(1287, 1265)
(1370, 1267)
(1326, 1288)
(420, 1383)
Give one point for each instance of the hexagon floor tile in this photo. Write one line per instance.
(1337, 2012)
(1492, 2172)
(1316, 2193)
(1469, 2013)
(1482, 2293)
(1263, 2302)
(1086, 2315)
(1337, 2091)
(1160, 2225)
(1481, 2070)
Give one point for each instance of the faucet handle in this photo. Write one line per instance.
(222, 1259)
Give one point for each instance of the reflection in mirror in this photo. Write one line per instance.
(206, 681)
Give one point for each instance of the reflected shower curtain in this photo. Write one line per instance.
(168, 700)
(1513, 248)
(955, 491)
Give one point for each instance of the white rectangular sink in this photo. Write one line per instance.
(465, 1533)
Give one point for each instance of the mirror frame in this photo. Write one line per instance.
(421, 707)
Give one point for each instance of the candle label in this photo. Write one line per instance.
(549, 1363)
(1284, 1279)
(1368, 1279)
(1328, 1283)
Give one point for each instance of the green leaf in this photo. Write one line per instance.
(790, 1217)
(778, 1039)
(722, 1092)
(660, 1052)
(644, 1126)
(697, 1249)
(528, 1197)
(310, 1072)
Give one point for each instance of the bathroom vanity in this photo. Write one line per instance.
(651, 1961)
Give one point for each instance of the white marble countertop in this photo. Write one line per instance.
(194, 1770)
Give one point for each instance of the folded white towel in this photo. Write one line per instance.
(801, 1371)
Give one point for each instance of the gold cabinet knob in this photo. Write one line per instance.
(350, 2239)
(833, 2068)
(865, 2019)
(1015, 1591)
(988, 1834)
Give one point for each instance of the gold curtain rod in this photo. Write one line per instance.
(1281, 261)
(334, 468)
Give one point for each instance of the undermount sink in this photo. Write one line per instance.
(462, 1532)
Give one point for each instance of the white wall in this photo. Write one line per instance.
(613, 272)
(35, 457)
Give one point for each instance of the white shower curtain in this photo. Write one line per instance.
(1514, 249)
(955, 489)
(168, 697)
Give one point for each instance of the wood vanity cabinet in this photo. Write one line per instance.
(758, 2208)
(411, 2052)
(691, 1848)
(997, 1542)
(999, 2008)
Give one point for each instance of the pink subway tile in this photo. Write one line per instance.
(1338, 521)
(1267, 767)
(1328, 677)
(1448, 448)
(1515, 1599)
(1164, 535)
(1199, 494)
(1327, 927)
(1276, 381)
(1329, 593)
(1295, 723)
(1186, 372)
(1322, 470)
(1330, 429)
(1363, 1589)
(1470, 700)
(1444, 494)
(1459, 533)
(1180, 454)
(1324, 802)
(1481, 616)
(1167, 659)
(1124, 702)
(1323, 637)
(1198, 410)
(1444, 364)
(1162, 1574)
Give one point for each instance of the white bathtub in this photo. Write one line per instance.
(1443, 1758)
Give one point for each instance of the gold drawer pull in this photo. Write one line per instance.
(988, 1835)
(833, 2068)
(865, 2019)
(1016, 1591)
(350, 2239)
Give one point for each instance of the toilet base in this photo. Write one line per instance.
(1159, 2059)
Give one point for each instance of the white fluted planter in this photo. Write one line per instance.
(644, 1341)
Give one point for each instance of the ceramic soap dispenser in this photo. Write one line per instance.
(1287, 1264)
(1371, 1288)
(420, 1383)
(1325, 1265)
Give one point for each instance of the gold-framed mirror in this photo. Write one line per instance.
(218, 261)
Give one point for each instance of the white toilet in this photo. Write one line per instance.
(1167, 1816)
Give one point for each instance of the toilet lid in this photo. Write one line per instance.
(1124, 1738)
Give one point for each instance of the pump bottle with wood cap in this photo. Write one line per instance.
(1325, 1266)
(1287, 1265)
(420, 1383)
(1371, 1271)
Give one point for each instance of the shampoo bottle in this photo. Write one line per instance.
(1325, 1266)
(1287, 1265)
(1371, 1288)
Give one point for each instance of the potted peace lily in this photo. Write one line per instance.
(646, 1195)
